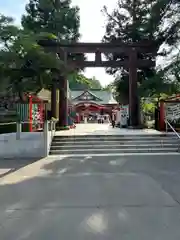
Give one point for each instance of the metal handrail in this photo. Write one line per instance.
(168, 123)
(17, 122)
(7, 123)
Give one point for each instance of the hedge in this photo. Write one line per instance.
(11, 128)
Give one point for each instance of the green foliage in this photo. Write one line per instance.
(80, 82)
(24, 65)
(94, 83)
(109, 87)
(148, 107)
(137, 21)
(11, 128)
(57, 17)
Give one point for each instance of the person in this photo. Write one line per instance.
(98, 119)
(102, 119)
(113, 120)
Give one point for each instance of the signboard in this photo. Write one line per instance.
(173, 112)
(125, 110)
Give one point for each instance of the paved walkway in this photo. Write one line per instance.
(103, 129)
(99, 198)
(92, 198)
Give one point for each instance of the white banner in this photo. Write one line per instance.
(173, 111)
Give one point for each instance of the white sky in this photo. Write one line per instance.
(92, 30)
(92, 22)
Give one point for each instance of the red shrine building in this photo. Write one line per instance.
(91, 103)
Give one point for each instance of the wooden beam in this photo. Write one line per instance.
(103, 47)
(82, 47)
(124, 63)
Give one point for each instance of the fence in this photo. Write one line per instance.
(31, 110)
(33, 113)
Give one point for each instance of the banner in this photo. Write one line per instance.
(173, 111)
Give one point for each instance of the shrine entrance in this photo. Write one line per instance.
(134, 58)
(89, 112)
(90, 104)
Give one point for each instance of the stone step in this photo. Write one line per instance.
(113, 151)
(118, 138)
(113, 135)
(114, 142)
(123, 146)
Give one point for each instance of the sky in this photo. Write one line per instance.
(91, 29)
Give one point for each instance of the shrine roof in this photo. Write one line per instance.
(100, 96)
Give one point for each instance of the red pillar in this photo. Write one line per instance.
(41, 113)
(162, 116)
(30, 114)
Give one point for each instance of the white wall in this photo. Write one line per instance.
(30, 145)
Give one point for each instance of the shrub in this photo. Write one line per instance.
(11, 128)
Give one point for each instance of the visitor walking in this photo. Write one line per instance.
(113, 120)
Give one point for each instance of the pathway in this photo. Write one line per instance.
(103, 129)
(132, 197)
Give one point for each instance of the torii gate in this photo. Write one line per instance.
(132, 63)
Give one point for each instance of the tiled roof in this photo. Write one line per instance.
(106, 97)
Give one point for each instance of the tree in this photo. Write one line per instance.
(172, 70)
(95, 83)
(24, 64)
(80, 82)
(108, 87)
(137, 21)
(57, 17)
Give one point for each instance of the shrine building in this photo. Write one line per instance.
(89, 103)
(92, 102)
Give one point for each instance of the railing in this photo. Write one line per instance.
(168, 124)
(177, 134)
(48, 130)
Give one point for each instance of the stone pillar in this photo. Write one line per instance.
(85, 120)
(133, 91)
(63, 104)
(53, 100)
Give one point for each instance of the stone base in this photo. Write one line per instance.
(136, 127)
(61, 128)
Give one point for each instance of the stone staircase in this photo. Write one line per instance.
(114, 144)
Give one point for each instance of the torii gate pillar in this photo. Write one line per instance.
(63, 104)
(134, 115)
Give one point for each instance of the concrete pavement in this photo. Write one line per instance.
(103, 129)
(114, 197)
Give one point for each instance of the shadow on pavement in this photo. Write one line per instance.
(51, 204)
(8, 166)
